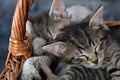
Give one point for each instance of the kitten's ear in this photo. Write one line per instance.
(57, 10)
(57, 48)
(97, 18)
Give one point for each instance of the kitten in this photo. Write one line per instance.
(44, 28)
(37, 69)
(67, 72)
(89, 43)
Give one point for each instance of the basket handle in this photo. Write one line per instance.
(19, 44)
(112, 23)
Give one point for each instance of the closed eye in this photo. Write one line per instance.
(83, 55)
(80, 51)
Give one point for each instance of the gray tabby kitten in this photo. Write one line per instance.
(45, 26)
(43, 29)
(67, 72)
(89, 43)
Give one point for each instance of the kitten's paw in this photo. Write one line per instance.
(32, 66)
(30, 73)
(46, 69)
(37, 46)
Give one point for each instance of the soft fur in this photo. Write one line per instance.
(44, 28)
(89, 43)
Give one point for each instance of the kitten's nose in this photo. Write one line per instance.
(95, 61)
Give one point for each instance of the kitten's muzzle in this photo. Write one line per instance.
(93, 58)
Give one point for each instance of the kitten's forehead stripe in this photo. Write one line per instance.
(79, 36)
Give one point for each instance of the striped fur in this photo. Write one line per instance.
(90, 44)
(37, 68)
(41, 28)
(76, 72)
(71, 36)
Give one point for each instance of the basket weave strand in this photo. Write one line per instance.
(19, 44)
(112, 23)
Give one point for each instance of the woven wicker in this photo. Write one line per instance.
(20, 42)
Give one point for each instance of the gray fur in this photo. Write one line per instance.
(32, 67)
(42, 28)
(90, 44)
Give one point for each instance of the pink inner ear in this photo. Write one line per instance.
(57, 9)
(97, 17)
(59, 4)
(56, 49)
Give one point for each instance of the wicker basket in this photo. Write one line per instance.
(19, 39)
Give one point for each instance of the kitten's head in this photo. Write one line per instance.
(82, 43)
(53, 20)
(56, 18)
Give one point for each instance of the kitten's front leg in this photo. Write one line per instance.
(50, 75)
(37, 46)
(32, 67)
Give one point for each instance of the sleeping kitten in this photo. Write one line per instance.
(89, 43)
(45, 26)
(66, 72)
(43, 29)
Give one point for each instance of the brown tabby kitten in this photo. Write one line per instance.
(90, 44)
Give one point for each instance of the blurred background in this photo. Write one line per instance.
(7, 8)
